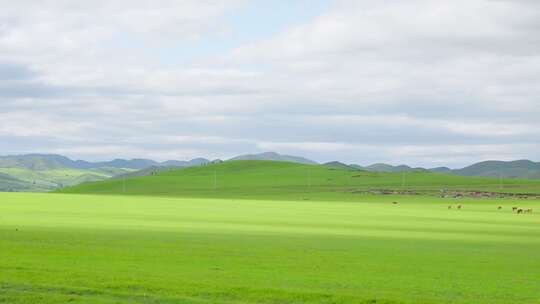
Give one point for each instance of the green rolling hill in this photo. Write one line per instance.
(42, 172)
(46, 172)
(51, 179)
(9, 183)
(285, 180)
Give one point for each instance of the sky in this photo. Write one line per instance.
(425, 83)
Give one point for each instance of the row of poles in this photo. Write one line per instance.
(403, 180)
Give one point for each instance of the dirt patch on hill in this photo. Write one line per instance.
(454, 194)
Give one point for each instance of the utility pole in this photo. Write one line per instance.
(500, 179)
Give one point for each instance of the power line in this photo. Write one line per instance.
(309, 178)
(500, 179)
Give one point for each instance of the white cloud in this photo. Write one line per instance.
(417, 81)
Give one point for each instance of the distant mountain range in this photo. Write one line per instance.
(43, 172)
(380, 167)
(53, 161)
(275, 157)
(507, 169)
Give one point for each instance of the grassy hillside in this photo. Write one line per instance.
(11, 184)
(283, 180)
(117, 249)
(51, 179)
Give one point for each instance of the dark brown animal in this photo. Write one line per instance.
(519, 211)
(500, 207)
(459, 206)
(395, 203)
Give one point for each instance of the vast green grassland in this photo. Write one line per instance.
(58, 248)
(267, 232)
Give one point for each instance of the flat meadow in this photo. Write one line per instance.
(59, 248)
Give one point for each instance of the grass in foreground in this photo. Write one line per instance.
(115, 249)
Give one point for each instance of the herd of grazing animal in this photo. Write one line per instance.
(521, 210)
(514, 209)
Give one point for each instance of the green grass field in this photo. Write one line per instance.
(179, 238)
(289, 181)
(57, 248)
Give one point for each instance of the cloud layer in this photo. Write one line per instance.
(418, 82)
